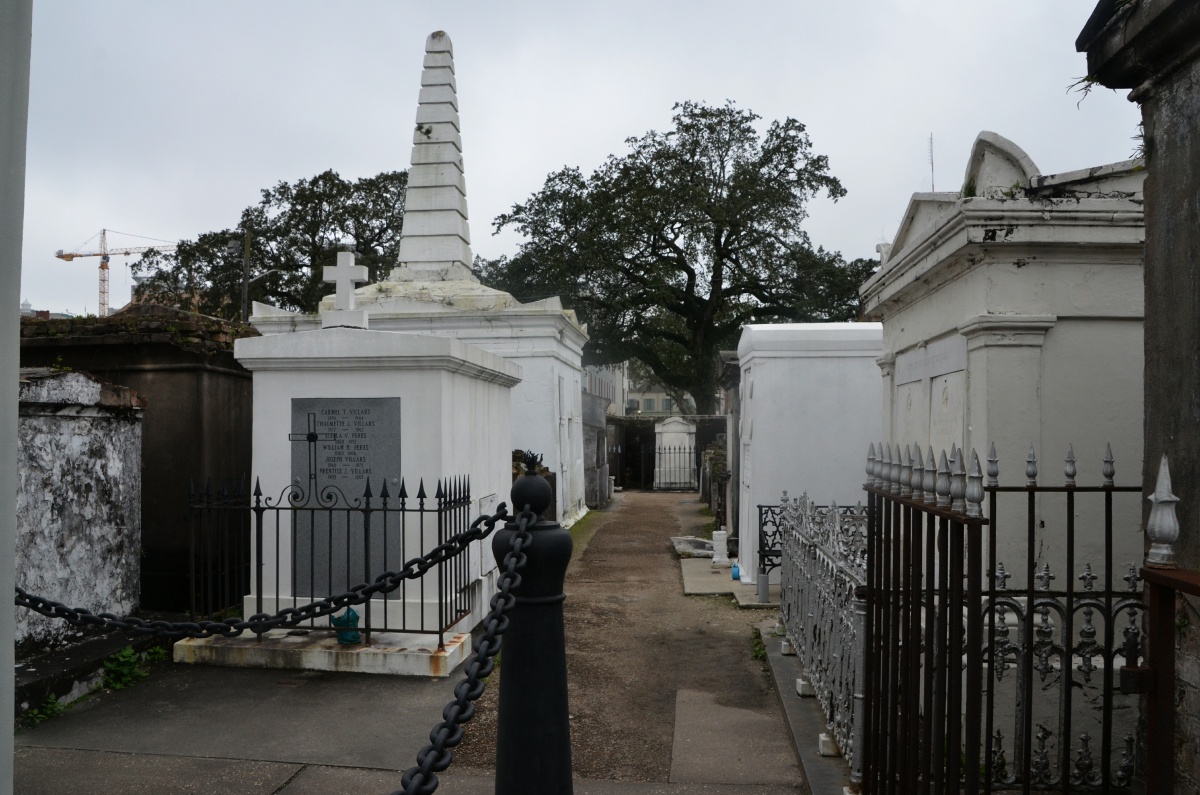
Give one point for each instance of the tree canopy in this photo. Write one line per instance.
(295, 230)
(668, 250)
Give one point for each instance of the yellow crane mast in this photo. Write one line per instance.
(104, 254)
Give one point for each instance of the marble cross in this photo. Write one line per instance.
(345, 275)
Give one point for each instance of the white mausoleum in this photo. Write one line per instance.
(1012, 313)
(433, 291)
(809, 409)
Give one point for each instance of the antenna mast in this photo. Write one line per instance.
(932, 184)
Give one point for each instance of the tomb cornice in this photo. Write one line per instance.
(971, 232)
(1137, 45)
(447, 363)
(1027, 331)
(359, 349)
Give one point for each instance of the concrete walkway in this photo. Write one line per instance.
(191, 729)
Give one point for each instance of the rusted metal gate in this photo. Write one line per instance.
(972, 685)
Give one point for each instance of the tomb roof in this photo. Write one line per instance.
(1006, 201)
(848, 339)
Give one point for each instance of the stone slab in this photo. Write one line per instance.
(719, 744)
(702, 578)
(390, 653)
(44, 771)
(747, 597)
(355, 441)
(805, 721)
(692, 547)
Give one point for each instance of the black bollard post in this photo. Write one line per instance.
(533, 732)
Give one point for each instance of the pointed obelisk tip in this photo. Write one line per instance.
(439, 41)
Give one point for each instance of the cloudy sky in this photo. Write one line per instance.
(165, 119)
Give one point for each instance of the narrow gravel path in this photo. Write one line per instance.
(633, 641)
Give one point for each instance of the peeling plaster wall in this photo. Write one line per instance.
(78, 502)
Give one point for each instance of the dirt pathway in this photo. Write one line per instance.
(634, 640)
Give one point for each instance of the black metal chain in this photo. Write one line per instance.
(437, 756)
(433, 758)
(262, 622)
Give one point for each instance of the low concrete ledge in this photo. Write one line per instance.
(390, 653)
(702, 578)
(827, 775)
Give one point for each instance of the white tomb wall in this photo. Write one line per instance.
(810, 408)
(455, 421)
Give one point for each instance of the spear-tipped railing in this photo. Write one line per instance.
(970, 683)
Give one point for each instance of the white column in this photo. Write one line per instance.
(16, 29)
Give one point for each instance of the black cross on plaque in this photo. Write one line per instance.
(312, 437)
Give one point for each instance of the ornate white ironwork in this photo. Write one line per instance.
(824, 609)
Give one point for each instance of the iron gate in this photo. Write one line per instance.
(972, 685)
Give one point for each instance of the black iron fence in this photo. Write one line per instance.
(972, 685)
(770, 537)
(674, 467)
(284, 552)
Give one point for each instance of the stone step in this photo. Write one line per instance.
(390, 653)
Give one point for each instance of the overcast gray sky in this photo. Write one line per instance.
(165, 119)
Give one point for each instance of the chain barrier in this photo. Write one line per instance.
(262, 622)
(434, 758)
(437, 756)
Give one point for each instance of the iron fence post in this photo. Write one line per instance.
(533, 732)
(258, 553)
(858, 707)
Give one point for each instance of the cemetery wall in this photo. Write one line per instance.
(196, 423)
(78, 498)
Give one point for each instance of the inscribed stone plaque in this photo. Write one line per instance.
(356, 439)
(338, 445)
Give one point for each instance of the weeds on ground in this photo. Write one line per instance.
(50, 708)
(757, 650)
(123, 669)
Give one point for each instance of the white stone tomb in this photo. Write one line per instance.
(810, 408)
(433, 291)
(1012, 313)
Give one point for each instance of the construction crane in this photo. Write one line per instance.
(104, 254)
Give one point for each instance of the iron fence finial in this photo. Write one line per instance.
(1163, 526)
(1069, 470)
(943, 482)
(871, 463)
(906, 472)
(929, 481)
(918, 475)
(889, 477)
(1109, 470)
(993, 469)
(958, 483)
(974, 491)
(1031, 467)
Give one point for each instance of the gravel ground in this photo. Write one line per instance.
(633, 639)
